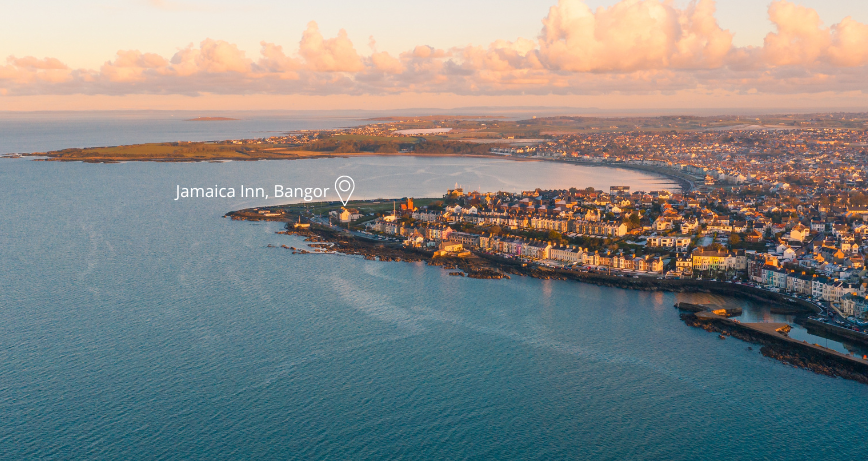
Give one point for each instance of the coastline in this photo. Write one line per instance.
(682, 181)
(388, 251)
(772, 337)
(296, 155)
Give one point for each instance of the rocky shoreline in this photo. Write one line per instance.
(480, 265)
(488, 266)
(378, 251)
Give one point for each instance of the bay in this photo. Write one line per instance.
(135, 326)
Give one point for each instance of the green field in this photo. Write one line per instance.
(365, 206)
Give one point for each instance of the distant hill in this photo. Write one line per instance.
(209, 119)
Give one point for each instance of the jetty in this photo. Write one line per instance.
(774, 337)
(702, 308)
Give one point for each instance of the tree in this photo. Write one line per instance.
(734, 239)
(495, 230)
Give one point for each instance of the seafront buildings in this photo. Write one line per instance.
(781, 206)
(810, 244)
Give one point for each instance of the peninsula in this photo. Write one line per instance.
(664, 144)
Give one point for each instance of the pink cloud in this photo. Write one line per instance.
(632, 35)
(801, 39)
(632, 47)
(849, 43)
(29, 62)
(385, 62)
(331, 55)
(212, 56)
(131, 65)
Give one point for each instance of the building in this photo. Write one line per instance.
(707, 260)
(566, 254)
(349, 214)
(679, 243)
(855, 305)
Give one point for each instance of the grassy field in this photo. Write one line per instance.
(161, 152)
(186, 152)
(365, 206)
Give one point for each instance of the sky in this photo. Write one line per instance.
(381, 54)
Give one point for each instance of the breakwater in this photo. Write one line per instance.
(777, 345)
(835, 331)
(690, 307)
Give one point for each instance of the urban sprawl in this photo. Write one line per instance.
(783, 209)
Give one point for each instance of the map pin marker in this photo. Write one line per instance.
(345, 185)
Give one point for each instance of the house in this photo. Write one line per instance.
(679, 243)
(774, 278)
(566, 254)
(707, 260)
(450, 248)
(799, 233)
(684, 265)
(855, 305)
(349, 214)
(536, 250)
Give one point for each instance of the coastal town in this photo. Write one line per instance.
(759, 234)
(777, 202)
(773, 213)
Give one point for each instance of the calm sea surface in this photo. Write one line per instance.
(25, 132)
(133, 326)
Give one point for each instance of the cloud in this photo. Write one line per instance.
(384, 62)
(632, 35)
(801, 39)
(212, 56)
(631, 47)
(849, 43)
(131, 65)
(332, 55)
(274, 60)
(29, 62)
(32, 71)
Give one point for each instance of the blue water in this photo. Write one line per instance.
(136, 327)
(26, 132)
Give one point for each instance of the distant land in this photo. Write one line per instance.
(209, 119)
(601, 138)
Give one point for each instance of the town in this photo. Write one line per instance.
(777, 202)
(763, 235)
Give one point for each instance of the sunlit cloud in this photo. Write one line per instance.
(632, 47)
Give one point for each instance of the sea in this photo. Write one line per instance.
(135, 326)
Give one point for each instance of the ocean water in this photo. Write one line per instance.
(133, 326)
(26, 132)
